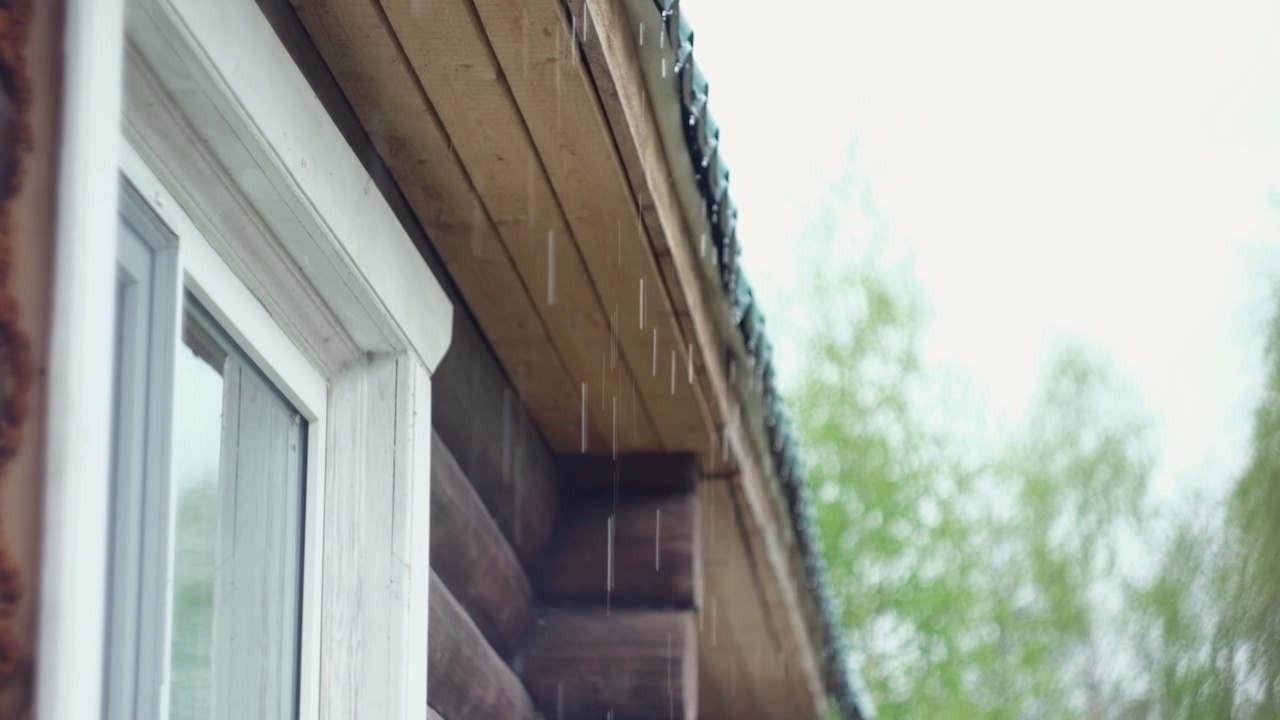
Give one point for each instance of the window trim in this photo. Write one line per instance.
(217, 112)
(244, 319)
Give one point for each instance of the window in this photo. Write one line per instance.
(237, 559)
(208, 503)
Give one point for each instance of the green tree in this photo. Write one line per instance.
(969, 567)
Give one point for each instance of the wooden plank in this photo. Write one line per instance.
(640, 665)
(377, 476)
(480, 418)
(472, 558)
(365, 58)
(451, 58)
(642, 548)
(741, 642)
(540, 60)
(648, 471)
(466, 680)
(713, 329)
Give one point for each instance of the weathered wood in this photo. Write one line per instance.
(712, 328)
(642, 549)
(642, 471)
(639, 665)
(480, 417)
(455, 66)
(466, 680)
(472, 558)
(540, 60)
(364, 56)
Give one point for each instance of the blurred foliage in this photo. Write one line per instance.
(978, 572)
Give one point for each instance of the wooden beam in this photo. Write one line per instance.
(540, 60)
(453, 63)
(466, 680)
(480, 417)
(640, 548)
(365, 57)
(472, 558)
(711, 321)
(639, 665)
(639, 471)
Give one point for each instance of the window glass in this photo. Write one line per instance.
(237, 540)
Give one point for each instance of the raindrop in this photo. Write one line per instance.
(584, 417)
(635, 427)
(673, 371)
(690, 363)
(615, 427)
(664, 67)
(702, 245)
(662, 40)
(641, 303)
(604, 374)
(609, 579)
(557, 81)
(551, 267)
(619, 243)
(641, 34)
(573, 19)
(655, 352)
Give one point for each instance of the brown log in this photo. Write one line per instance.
(480, 417)
(641, 665)
(656, 552)
(649, 471)
(465, 677)
(472, 558)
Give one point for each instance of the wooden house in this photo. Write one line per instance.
(387, 359)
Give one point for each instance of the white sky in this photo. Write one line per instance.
(1105, 170)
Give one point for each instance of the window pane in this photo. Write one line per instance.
(237, 549)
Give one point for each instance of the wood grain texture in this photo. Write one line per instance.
(375, 535)
(472, 558)
(479, 416)
(466, 678)
(638, 471)
(640, 665)
(641, 549)
(451, 57)
(769, 536)
(540, 60)
(365, 57)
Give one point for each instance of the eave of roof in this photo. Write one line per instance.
(714, 206)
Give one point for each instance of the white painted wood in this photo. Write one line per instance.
(229, 300)
(147, 328)
(78, 451)
(235, 84)
(374, 625)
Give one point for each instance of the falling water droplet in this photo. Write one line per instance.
(702, 245)
(690, 363)
(673, 371)
(551, 267)
(615, 427)
(604, 375)
(476, 218)
(609, 586)
(619, 243)
(655, 352)
(664, 67)
(641, 303)
(641, 34)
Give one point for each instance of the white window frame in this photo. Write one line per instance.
(243, 318)
(281, 227)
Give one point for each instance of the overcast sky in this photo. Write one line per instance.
(1104, 170)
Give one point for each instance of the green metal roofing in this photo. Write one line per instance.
(702, 137)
